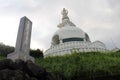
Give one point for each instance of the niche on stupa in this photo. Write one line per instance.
(55, 40)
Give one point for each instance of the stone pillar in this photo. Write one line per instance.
(22, 48)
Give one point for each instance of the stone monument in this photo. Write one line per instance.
(22, 48)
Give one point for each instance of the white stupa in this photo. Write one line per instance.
(69, 38)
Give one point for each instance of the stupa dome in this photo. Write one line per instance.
(70, 32)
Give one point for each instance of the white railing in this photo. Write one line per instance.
(68, 47)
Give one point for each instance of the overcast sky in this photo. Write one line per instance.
(99, 18)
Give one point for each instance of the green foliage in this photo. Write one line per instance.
(36, 53)
(5, 49)
(81, 65)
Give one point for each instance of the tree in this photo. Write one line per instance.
(36, 53)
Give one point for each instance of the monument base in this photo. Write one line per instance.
(19, 55)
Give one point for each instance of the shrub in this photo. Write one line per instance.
(36, 53)
(83, 65)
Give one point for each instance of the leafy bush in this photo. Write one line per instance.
(36, 53)
(83, 65)
(5, 49)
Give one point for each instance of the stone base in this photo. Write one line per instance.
(19, 55)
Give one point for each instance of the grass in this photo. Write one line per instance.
(77, 65)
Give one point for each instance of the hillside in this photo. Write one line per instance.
(88, 66)
(83, 66)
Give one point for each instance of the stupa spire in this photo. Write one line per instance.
(64, 14)
(65, 19)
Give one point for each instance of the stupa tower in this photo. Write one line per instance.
(69, 38)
